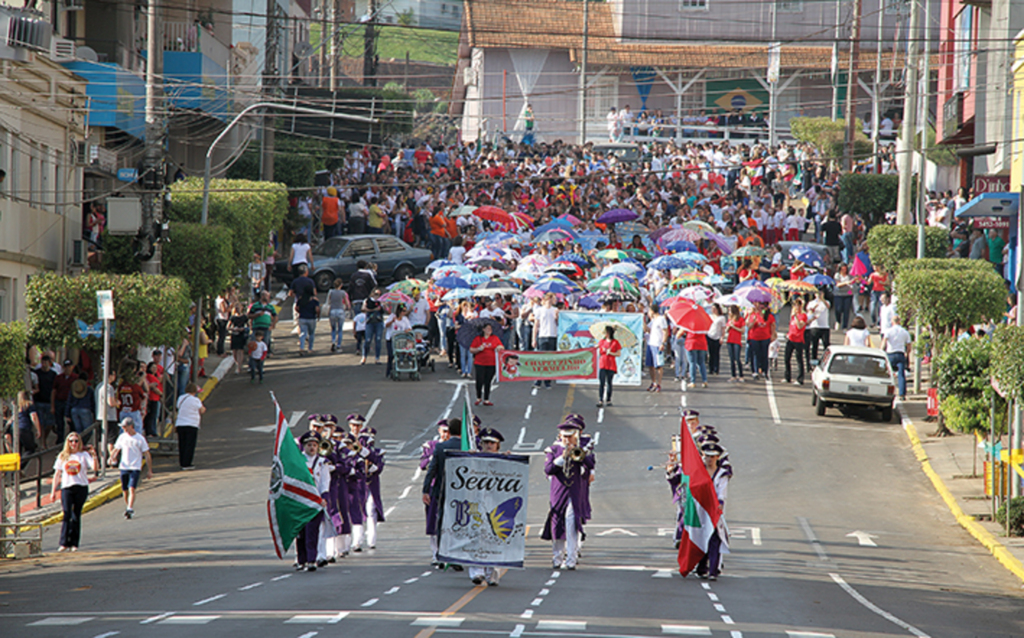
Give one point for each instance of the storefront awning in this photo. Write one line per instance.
(991, 205)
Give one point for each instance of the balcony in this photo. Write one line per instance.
(117, 98)
(195, 69)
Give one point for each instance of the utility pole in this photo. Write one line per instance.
(334, 44)
(876, 89)
(583, 74)
(324, 34)
(905, 197)
(270, 84)
(370, 47)
(774, 62)
(152, 163)
(851, 86)
(835, 67)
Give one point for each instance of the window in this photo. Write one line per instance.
(857, 365)
(897, 7)
(360, 248)
(331, 247)
(685, 5)
(963, 49)
(789, 6)
(389, 245)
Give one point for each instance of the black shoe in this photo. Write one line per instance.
(492, 583)
(713, 577)
(455, 568)
(332, 560)
(477, 580)
(321, 563)
(571, 568)
(129, 513)
(702, 575)
(357, 549)
(600, 404)
(607, 404)
(310, 567)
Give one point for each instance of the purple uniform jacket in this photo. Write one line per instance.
(426, 453)
(355, 478)
(566, 487)
(376, 458)
(337, 501)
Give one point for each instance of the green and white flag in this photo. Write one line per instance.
(293, 499)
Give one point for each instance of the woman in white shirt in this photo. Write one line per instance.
(301, 253)
(70, 471)
(857, 335)
(190, 413)
(715, 333)
(398, 321)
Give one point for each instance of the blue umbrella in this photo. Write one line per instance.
(666, 262)
(716, 280)
(820, 280)
(556, 235)
(807, 255)
(564, 224)
(690, 258)
(681, 245)
(579, 260)
(591, 301)
(453, 282)
(475, 279)
(440, 263)
(617, 215)
(458, 293)
(551, 285)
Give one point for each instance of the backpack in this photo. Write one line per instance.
(360, 285)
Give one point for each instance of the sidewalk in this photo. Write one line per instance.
(949, 462)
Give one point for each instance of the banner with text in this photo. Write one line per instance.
(566, 365)
(574, 331)
(484, 509)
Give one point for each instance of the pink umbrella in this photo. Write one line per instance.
(679, 234)
(859, 268)
(572, 219)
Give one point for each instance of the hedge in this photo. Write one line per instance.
(951, 295)
(1008, 360)
(202, 256)
(895, 247)
(13, 340)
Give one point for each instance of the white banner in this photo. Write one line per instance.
(484, 516)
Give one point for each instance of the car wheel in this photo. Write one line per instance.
(887, 414)
(323, 280)
(403, 272)
(820, 411)
(814, 398)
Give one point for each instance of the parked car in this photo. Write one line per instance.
(851, 377)
(337, 258)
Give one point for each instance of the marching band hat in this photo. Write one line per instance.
(712, 449)
(357, 419)
(443, 423)
(308, 436)
(690, 414)
(490, 434)
(578, 418)
(329, 418)
(476, 421)
(569, 425)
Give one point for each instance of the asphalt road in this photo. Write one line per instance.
(835, 531)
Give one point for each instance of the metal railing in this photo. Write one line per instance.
(190, 37)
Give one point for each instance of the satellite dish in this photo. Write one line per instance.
(86, 53)
(304, 49)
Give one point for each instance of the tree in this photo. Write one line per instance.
(963, 372)
(118, 255)
(13, 340)
(150, 310)
(201, 256)
(949, 294)
(1008, 360)
(829, 136)
(868, 194)
(249, 209)
(894, 246)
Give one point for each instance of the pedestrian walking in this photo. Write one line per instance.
(715, 334)
(71, 472)
(130, 450)
(734, 341)
(608, 351)
(257, 355)
(190, 412)
(795, 341)
(374, 325)
(338, 308)
(895, 341)
(485, 347)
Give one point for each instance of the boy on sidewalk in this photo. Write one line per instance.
(257, 355)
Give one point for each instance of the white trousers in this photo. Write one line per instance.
(368, 528)
(433, 546)
(487, 573)
(569, 547)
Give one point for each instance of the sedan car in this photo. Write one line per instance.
(850, 377)
(337, 258)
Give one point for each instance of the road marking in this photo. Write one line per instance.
(315, 619)
(372, 411)
(248, 587)
(522, 446)
(107, 634)
(662, 573)
(811, 537)
(438, 621)
(720, 608)
(568, 398)
(863, 538)
(549, 583)
(529, 409)
(454, 608)
(881, 612)
(391, 591)
(668, 531)
(728, 620)
(188, 620)
(370, 603)
(309, 634)
(208, 600)
(405, 492)
(533, 392)
(388, 511)
(556, 574)
(410, 581)
(685, 630)
(755, 534)
(713, 596)
(682, 400)
(262, 429)
(425, 574)
(600, 415)
(617, 530)
(281, 577)
(417, 475)
(561, 625)
(153, 619)
(296, 415)
(736, 634)
(527, 614)
(517, 632)
(706, 585)
(544, 592)
(61, 621)
(808, 634)
(536, 602)
(597, 438)
(771, 400)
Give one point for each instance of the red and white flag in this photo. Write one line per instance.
(701, 510)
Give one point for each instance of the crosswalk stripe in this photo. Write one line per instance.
(561, 625)
(685, 630)
(438, 621)
(315, 619)
(188, 620)
(61, 621)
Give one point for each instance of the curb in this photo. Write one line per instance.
(105, 495)
(991, 543)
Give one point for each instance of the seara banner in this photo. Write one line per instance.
(564, 365)
(484, 517)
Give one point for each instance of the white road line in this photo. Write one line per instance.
(706, 585)
(533, 392)
(881, 612)
(728, 620)
(208, 600)
(713, 596)
(388, 511)
(391, 591)
(536, 602)
(735, 634)
(317, 619)
(812, 538)
(771, 401)
(549, 583)
(107, 634)
(417, 475)
(438, 621)
(61, 621)
(755, 535)
(405, 492)
(529, 409)
(808, 634)
(370, 603)
(556, 574)
(281, 577)
(373, 409)
(600, 415)
(544, 592)
(425, 574)
(662, 573)
(517, 632)
(720, 608)
(296, 415)
(685, 630)
(310, 634)
(188, 620)
(561, 625)
(252, 586)
(409, 581)
(527, 614)
(153, 619)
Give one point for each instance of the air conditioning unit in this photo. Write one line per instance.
(62, 50)
(28, 32)
(469, 76)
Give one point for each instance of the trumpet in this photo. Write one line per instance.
(576, 453)
(325, 448)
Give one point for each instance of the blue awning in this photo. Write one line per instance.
(991, 205)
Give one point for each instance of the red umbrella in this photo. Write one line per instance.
(687, 314)
(493, 214)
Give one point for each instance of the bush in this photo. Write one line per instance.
(829, 136)
(13, 340)
(894, 247)
(1008, 360)
(962, 377)
(1016, 515)
(954, 295)
(870, 195)
(118, 255)
(201, 256)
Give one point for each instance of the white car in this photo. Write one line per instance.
(853, 377)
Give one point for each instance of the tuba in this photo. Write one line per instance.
(325, 447)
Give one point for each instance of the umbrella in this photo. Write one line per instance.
(716, 280)
(820, 280)
(700, 294)
(639, 254)
(492, 288)
(522, 220)
(688, 278)
(632, 228)
(772, 282)
(486, 263)
(461, 211)
(613, 253)
(750, 251)
(393, 298)
(440, 263)
(667, 262)
(555, 224)
(681, 245)
(567, 267)
(554, 235)
(691, 257)
(525, 274)
(493, 214)
(687, 314)
(409, 286)
(807, 255)
(458, 293)
(733, 300)
(622, 334)
(612, 283)
(534, 259)
(861, 266)
(796, 286)
(721, 243)
(472, 328)
(450, 271)
(754, 294)
(453, 282)
(495, 236)
(475, 279)
(591, 301)
(679, 234)
(698, 226)
(577, 259)
(617, 215)
(572, 219)
(624, 268)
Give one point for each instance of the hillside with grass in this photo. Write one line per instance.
(393, 41)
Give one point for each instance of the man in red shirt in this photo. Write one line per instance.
(330, 216)
(795, 341)
(59, 396)
(132, 400)
(878, 280)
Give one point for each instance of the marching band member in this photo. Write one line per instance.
(490, 442)
(564, 464)
(710, 566)
(427, 453)
(308, 539)
(337, 501)
(433, 481)
(373, 506)
(587, 443)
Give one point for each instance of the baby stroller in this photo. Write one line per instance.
(403, 344)
(423, 347)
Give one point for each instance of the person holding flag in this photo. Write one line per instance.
(433, 480)
(711, 565)
(426, 454)
(295, 499)
(307, 546)
(701, 511)
(490, 443)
